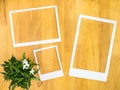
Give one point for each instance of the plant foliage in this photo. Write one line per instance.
(19, 72)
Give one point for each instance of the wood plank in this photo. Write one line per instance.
(68, 17)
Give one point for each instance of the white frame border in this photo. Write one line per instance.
(39, 41)
(81, 73)
(51, 75)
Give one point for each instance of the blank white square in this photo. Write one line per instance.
(81, 73)
(50, 75)
(37, 41)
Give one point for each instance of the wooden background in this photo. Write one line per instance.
(68, 11)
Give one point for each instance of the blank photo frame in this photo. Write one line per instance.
(81, 73)
(49, 75)
(15, 44)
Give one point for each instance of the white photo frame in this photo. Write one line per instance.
(39, 41)
(50, 75)
(81, 73)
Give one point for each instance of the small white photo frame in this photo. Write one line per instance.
(51, 75)
(58, 39)
(81, 73)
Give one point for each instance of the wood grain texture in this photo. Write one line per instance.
(68, 17)
(93, 45)
(35, 25)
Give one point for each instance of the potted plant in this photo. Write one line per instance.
(19, 72)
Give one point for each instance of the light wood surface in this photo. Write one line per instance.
(68, 11)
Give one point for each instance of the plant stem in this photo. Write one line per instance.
(26, 89)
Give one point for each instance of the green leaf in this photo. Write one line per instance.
(6, 77)
(20, 80)
(6, 62)
(10, 85)
(34, 64)
(35, 78)
(25, 75)
(3, 73)
(7, 69)
(16, 69)
(23, 56)
(14, 86)
(13, 59)
(23, 85)
(36, 71)
(4, 65)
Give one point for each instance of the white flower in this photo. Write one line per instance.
(25, 64)
(32, 71)
(25, 61)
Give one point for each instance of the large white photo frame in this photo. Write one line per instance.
(50, 75)
(81, 73)
(39, 41)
